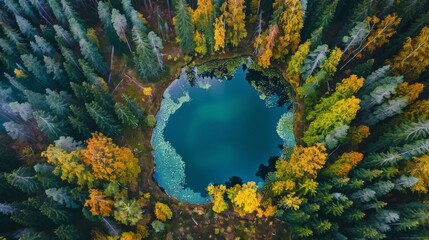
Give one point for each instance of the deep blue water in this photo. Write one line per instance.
(223, 131)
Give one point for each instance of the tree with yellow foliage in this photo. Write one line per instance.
(217, 195)
(419, 167)
(341, 113)
(417, 111)
(304, 162)
(244, 198)
(413, 58)
(202, 17)
(290, 21)
(267, 42)
(219, 34)
(344, 164)
(200, 43)
(383, 31)
(347, 88)
(267, 212)
(330, 64)
(69, 166)
(203, 13)
(295, 178)
(99, 204)
(19, 73)
(233, 13)
(108, 161)
(380, 33)
(293, 71)
(162, 211)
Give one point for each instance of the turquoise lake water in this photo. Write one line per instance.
(212, 131)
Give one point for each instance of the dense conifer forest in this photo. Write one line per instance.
(81, 82)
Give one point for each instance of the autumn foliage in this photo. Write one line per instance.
(162, 212)
(98, 203)
(342, 166)
(108, 161)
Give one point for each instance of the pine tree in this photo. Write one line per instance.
(35, 67)
(126, 115)
(104, 120)
(25, 27)
(156, 44)
(388, 109)
(120, 25)
(91, 54)
(144, 57)
(58, 102)
(63, 36)
(184, 27)
(54, 67)
(57, 11)
(23, 179)
(49, 124)
(319, 20)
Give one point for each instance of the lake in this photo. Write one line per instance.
(212, 129)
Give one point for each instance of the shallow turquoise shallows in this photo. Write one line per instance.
(211, 131)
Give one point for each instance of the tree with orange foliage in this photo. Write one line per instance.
(108, 161)
(380, 33)
(290, 20)
(356, 135)
(413, 58)
(99, 204)
(233, 13)
(130, 236)
(344, 164)
(412, 91)
(267, 41)
(162, 211)
(219, 34)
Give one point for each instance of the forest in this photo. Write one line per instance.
(82, 83)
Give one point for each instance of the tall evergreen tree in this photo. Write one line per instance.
(184, 27)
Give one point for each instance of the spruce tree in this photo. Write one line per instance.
(184, 27)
